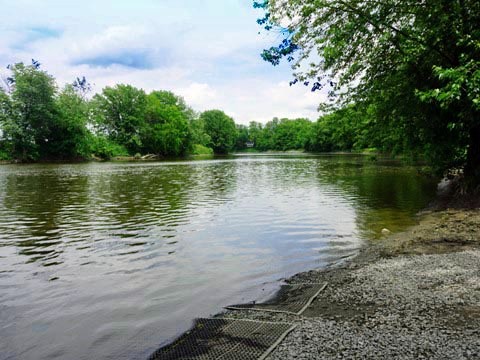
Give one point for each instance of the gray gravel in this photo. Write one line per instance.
(408, 307)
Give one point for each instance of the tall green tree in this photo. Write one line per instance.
(120, 115)
(38, 123)
(168, 98)
(242, 137)
(6, 114)
(29, 113)
(199, 136)
(345, 129)
(291, 134)
(266, 139)
(416, 62)
(70, 137)
(255, 132)
(221, 129)
(166, 130)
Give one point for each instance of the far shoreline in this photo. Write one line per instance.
(149, 158)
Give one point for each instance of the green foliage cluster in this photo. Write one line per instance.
(106, 149)
(155, 123)
(347, 129)
(39, 122)
(221, 130)
(281, 135)
(199, 149)
(413, 65)
(276, 135)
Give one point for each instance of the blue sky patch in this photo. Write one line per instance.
(34, 34)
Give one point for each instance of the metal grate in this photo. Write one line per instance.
(226, 339)
(291, 299)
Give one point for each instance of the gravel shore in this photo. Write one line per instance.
(414, 295)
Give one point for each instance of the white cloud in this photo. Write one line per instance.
(111, 39)
(199, 95)
(255, 99)
(261, 100)
(207, 51)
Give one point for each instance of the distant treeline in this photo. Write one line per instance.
(352, 128)
(40, 122)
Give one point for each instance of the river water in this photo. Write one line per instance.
(112, 260)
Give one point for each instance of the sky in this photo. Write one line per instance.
(207, 51)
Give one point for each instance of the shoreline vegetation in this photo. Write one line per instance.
(413, 294)
(41, 122)
(208, 153)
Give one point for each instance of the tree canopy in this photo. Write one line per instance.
(40, 122)
(166, 129)
(414, 64)
(221, 130)
(120, 111)
(37, 121)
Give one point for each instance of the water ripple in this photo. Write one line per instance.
(109, 260)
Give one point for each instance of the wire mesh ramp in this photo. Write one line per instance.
(226, 339)
(291, 299)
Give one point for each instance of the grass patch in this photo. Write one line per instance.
(106, 149)
(201, 150)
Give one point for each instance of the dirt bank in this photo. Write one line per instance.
(438, 232)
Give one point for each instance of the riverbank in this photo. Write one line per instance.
(412, 295)
(202, 152)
